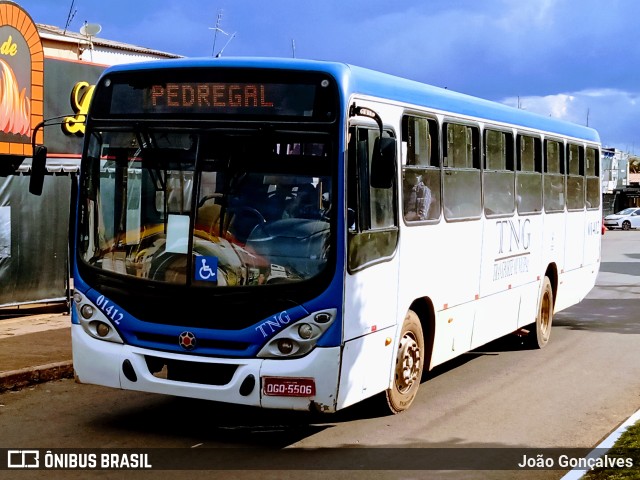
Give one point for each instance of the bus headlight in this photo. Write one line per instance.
(286, 346)
(93, 321)
(102, 329)
(87, 311)
(305, 331)
(300, 338)
(77, 296)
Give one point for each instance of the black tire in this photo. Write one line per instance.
(409, 365)
(541, 330)
(626, 225)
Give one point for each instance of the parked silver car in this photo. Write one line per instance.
(625, 219)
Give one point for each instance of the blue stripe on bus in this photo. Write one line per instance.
(357, 80)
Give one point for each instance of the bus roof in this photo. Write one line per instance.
(363, 81)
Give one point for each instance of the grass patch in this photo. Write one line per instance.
(627, 446)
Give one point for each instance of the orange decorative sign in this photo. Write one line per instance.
(9, 48)
(15, 106)
(21, 80)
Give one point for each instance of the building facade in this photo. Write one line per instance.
(620, 186)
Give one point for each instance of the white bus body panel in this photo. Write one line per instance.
(367, 363)
(553, 240)
(577, 282)
(370, 302)
(100, 363)
(441, 263)
(575, 235)
(454, 328)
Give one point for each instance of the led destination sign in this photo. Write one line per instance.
(230, 99)
(216, 95)
(188, 94)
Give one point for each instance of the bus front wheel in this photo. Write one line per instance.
(409, 365)
(540, 337)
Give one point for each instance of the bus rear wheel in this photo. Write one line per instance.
(540, 337)
(409, 365)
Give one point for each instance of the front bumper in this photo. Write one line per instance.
(124, 366)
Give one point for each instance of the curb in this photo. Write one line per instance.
(24, 377)
(606, 444)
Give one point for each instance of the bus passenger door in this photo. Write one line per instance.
(372, 277)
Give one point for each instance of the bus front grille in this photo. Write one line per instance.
(204, 344)
(190, 372)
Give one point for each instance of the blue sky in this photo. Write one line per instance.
(572, 59)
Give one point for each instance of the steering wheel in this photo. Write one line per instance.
(250, 210)
(243, 221)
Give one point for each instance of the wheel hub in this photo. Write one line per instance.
(408, 366)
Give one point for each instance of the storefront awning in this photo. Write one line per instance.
(54, 165)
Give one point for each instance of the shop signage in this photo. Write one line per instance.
(21, 80)
(68, 91)
(80, 99)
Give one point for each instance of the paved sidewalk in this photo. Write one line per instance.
(34, 349)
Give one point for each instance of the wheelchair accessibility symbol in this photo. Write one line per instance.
(207, 269)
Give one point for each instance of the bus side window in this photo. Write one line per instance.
(529, 174)
(381, 200)
(373, 207)
(498, 175)
(575, 177)
(420, 170)
(462, 180)
(371, 211)
(592, 168)
(554, 190)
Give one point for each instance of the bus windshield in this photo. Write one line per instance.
(213, 209)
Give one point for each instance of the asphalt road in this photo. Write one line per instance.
(571, 394)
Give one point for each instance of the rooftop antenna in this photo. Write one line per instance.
(293, 47)
(219, 54)
(217, 29)
(90, 30)
(72, 13)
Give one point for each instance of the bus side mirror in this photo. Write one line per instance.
(38, 170)
(383, 163)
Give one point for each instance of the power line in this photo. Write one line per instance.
(72, 13)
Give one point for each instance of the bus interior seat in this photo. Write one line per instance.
(305, 203)
(209, 217)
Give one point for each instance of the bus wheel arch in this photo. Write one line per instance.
(424, 309)
(552, 275)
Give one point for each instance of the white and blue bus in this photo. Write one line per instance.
(304, 235)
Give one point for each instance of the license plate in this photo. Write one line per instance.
(288, 387)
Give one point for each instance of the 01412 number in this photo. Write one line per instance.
(109, 309)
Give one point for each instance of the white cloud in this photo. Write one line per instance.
(614, 113)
